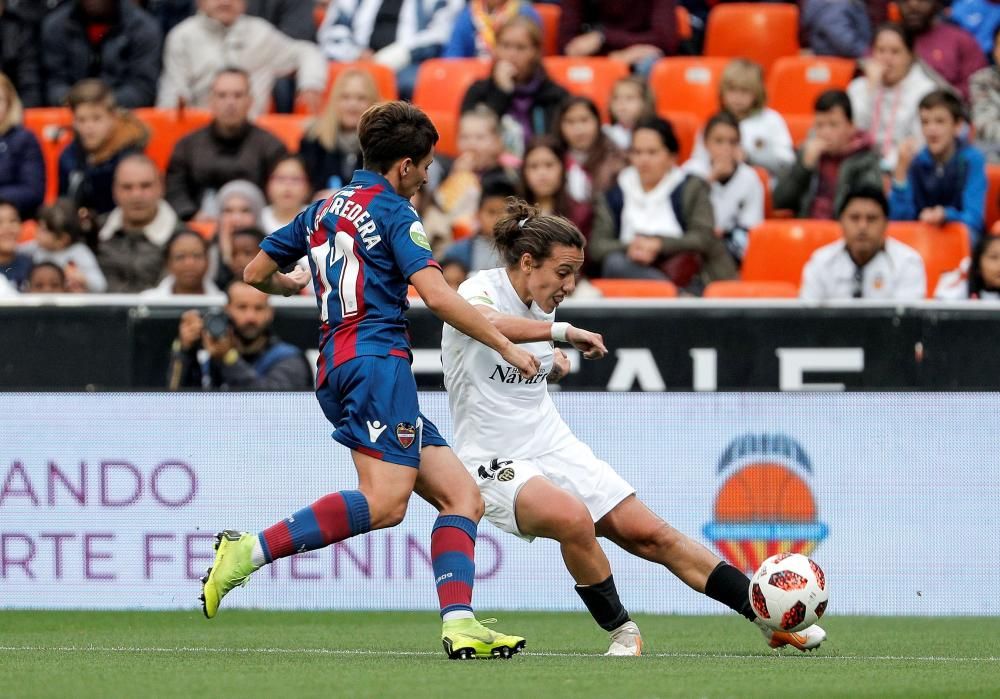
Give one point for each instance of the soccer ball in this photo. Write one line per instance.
(789, 592)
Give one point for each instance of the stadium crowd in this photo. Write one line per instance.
(149, 146)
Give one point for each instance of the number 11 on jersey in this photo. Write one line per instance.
(347, 284)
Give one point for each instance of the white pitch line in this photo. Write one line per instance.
(360, 651)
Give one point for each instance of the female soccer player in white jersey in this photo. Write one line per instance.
(536, 477)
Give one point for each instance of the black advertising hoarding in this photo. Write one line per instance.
(652, 346)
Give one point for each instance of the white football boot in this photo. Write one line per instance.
(626, 640)
(807, 639)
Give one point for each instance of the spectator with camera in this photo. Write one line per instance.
(235, 348)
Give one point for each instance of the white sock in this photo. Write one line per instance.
(458, 614)
(257, 557)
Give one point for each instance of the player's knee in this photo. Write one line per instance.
(574, 523)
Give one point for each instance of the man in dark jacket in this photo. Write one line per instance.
(230, 148)
(108, 39)
(19, 58)
(240, 352)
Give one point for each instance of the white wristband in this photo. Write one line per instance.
(559, 331)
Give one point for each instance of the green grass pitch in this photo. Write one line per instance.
(397, 654)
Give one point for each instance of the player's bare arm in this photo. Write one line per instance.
(516, 329)
(446, 304)
(263, 274)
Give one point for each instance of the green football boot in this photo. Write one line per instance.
(468, 639)
(232, 568)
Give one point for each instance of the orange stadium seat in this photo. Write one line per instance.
(942, 247)
(799, 126)
(762, 32)
(550, 14)
(53, 127)
(992, 195)
(319, 12)
(447, 126)
(736, 289)
(688, 84)
(686, 127)
(167, 127)
(892, 12)
(442, 82)
(635, 288)
(590, 77)
(385, 80)
(765, 181)
(289, 128)
(683, 20)
(778, 250)
(206, 229)
(28, 229)
(794, 82)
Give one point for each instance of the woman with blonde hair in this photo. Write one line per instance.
(764, 137)
(330, 148)
(22, 170)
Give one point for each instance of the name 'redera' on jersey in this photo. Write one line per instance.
(497, 412)
(362, 243)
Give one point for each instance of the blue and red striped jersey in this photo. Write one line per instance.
(362, 243)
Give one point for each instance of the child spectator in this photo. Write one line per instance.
(663, 217)
(246, 245)
(477, 252)
(104, 136)
(946, 181)
(288, 192)
(57, 240)
(593, 161)
(978, 277)
(330, 147)
(737, 193)
(518, 90)
(836, 156)
(476, 27)
(885, 98)
(22, 170)
(46, 278)
(631, 100)
(543, 174)
(985, 88)
(14, 265)
(763, 132)
(480, 154)
(185, 268)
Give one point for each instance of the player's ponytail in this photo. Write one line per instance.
(523, 230)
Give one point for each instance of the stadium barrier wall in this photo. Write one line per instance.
(111, 500)
(654, 345)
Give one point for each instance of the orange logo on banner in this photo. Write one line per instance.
(765, 507)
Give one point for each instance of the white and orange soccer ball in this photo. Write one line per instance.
(789, 592)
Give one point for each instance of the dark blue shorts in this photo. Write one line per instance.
(372, 404)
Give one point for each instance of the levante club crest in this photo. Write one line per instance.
(765, 505)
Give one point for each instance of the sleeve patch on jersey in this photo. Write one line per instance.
(418, 236)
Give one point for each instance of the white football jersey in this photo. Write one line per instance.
(496, 412)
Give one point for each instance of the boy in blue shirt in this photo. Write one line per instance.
(946, 181)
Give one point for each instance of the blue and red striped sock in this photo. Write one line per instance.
(330, 519)
(453, 557)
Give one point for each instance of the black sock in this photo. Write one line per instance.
(731, 587)
(603, 603)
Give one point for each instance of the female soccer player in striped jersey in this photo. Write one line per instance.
(536, 477)
(364, 244)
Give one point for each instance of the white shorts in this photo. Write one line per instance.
(574, 469)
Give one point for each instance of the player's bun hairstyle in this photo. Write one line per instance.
(523, 230)
(391, 131)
